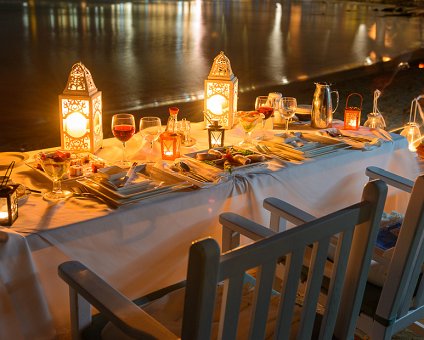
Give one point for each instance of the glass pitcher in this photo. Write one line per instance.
(322, 106)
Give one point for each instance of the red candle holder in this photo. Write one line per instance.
(352, 114)
(170, 145)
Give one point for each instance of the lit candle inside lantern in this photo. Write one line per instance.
(76, 125)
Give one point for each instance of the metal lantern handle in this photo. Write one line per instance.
(354, 94)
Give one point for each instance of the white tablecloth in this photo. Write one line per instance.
(141, 247)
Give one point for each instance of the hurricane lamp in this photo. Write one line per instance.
(216, 134)
(411, 130)
(80, 108)
(170, 143)
(8, 204)
(352, 114)
(221, 89)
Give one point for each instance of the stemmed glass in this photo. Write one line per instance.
(150, 129)
(123, 128)
(263, 106)
(248, 120)
(55, 164)
(287, 107)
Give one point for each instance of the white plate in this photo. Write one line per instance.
(98, 190)
(7, 157)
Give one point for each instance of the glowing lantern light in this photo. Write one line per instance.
(352, 114)
(80, 107)
(221, 89)
(411, 130)
(8, 205)
(216, 135)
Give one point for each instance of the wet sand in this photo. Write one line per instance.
(399, 85)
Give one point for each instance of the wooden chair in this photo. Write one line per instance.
(399, 303)
(213, 304)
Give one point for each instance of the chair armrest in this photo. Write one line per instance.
(282, 210)
(244, 226)
(115, 306)
(233, 225)
(396, 181)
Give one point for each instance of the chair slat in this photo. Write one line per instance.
(419, 296)
(343, 247)
(313, 287)
(261, 301)
(294, 262)
(408, 300)
(231, 299)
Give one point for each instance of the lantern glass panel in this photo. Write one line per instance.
(217, 104)
(8, 205)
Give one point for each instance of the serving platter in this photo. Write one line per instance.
(230, 160)
(158, 183)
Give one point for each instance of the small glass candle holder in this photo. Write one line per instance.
(8, 204)
(216, 134)
(352, 114)
(170, 143)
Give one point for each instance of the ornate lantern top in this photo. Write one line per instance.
(80, 81)
(221, 68)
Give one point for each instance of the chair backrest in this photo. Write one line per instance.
(356, 227)
(402, 297)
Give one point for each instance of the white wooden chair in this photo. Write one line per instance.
(399, 303)
(213, 277)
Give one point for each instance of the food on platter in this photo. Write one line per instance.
(229, 157)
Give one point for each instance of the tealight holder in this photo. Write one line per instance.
(8, 204)
(216, 134)
(352, 114)
(170, 143)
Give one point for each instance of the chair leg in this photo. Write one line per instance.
(80, 314)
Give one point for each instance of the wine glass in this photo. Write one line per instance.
(287, 107)
(263, 105)
(123, 128)
(55, 164)
(150, 129)
(248, 120)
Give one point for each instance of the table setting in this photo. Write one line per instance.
(129, 206)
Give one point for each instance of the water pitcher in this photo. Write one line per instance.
(322, 107)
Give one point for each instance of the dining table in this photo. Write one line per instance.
(143, 246)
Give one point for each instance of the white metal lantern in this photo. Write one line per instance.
(80, 107)
(221, 89)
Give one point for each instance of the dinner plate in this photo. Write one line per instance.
(8, 157)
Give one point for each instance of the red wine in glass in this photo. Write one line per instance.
(123, 128)
(123, 132)
(266, 111)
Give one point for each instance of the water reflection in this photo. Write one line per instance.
(145, 53)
